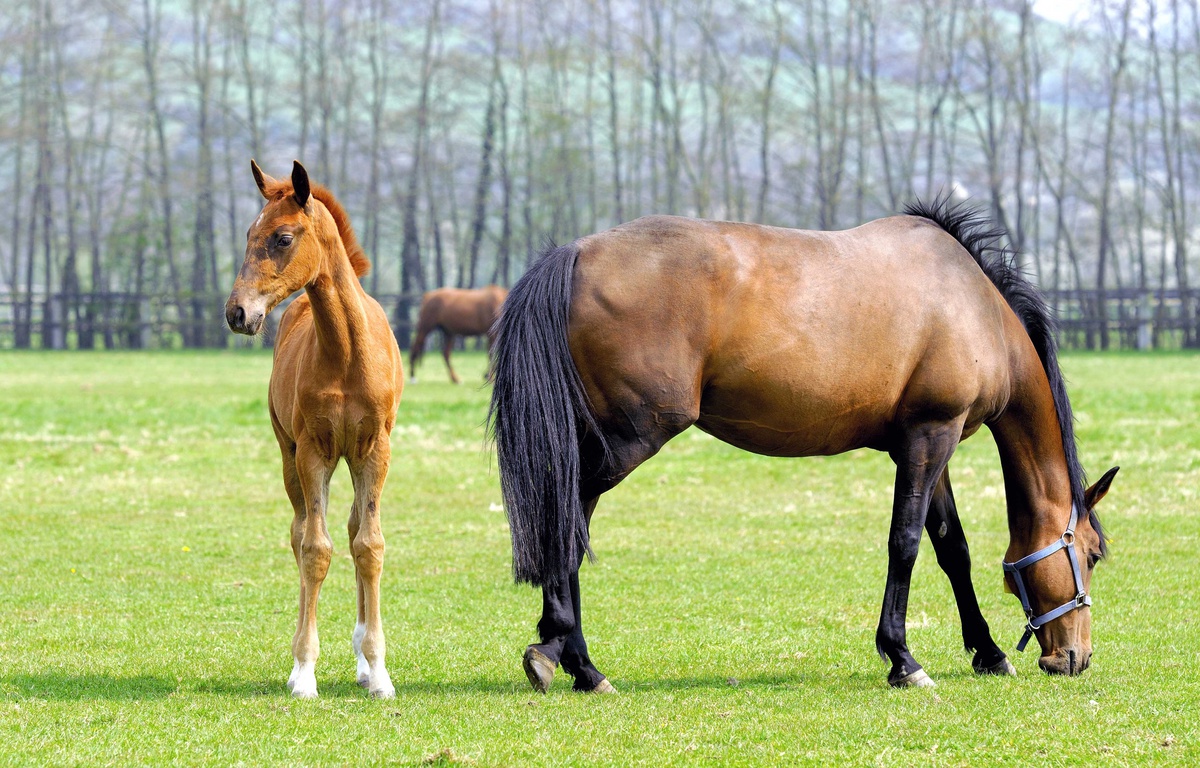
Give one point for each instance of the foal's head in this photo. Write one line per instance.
(1049, 583)
(284, 249)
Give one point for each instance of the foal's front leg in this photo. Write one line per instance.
(313, 549)
(366, 545)
(920, 459)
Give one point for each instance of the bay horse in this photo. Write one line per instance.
(335, 386)
(456, 312)
(904, 335)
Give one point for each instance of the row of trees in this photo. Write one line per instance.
(462, 133)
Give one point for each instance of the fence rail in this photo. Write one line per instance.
(1087, 319)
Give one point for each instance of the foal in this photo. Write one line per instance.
(334, 390)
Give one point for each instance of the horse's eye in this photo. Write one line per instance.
(285, 241)
(1092, 559)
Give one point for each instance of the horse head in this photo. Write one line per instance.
(283, 250)
(1054, 588)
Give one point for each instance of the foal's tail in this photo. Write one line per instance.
(538, 415)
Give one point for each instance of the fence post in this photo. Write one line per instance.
(54, 324)
(143, 323)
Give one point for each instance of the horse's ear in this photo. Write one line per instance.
(261, 179)
(1092, 496)
(300, 184)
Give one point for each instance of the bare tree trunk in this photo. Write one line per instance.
(150, 45)
(412, 276)
(768, 93)
(203, 234)
(613, 122)
(1105, 225)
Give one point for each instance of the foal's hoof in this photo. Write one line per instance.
(603, 687)
(1002, 667)
(539, 669)
(918, 679)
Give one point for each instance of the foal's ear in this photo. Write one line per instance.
(1092, 496)
(261, 179)
(300, 183)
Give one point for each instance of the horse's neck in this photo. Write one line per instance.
(1037, 482)
(339, 317)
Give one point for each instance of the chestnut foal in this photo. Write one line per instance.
(335, 386)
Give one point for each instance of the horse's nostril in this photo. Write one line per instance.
(239, 316)
(1071, 662)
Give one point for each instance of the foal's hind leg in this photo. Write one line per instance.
(366, 545)
(950, 544)
(920, 457)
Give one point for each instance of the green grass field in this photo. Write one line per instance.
(147, 591)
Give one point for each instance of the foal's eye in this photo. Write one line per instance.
(285, 241)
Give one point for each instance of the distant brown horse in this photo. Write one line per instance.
(334, 390)
(456, 312)
(905, 335)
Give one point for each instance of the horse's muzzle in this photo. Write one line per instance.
(238, 321)
(1066, 662)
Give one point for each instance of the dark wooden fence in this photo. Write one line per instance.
(144, 321)
(1115, 319)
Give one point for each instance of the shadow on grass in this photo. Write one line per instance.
(61, 686)
(68, 687)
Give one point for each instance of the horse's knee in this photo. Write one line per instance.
(368, 554)
(315, 554)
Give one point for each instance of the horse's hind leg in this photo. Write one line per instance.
(367, 546)
(950, 545)
(921, 456)
(314, 548)
(561, 628)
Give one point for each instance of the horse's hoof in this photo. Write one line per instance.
(539, 669)
(603, 687)
(386, 692)
(1002, 667)
(918, 679)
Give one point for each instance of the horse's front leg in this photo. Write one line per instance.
(920, 460)
(313, 549)
(366, 545)
(950, 545)
(447, 346)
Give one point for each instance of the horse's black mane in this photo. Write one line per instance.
(972, 228)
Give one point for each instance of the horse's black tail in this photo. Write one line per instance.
(975, 233)
(538, 414)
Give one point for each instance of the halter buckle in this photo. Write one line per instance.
(1081, 600)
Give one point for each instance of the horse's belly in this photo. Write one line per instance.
(812, 429)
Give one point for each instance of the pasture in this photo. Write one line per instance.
(149, 590)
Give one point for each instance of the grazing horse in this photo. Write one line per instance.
(904, 335)
(335, 386)
(456, 312)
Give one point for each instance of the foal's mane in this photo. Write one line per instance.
(358, 258)
(975, 232)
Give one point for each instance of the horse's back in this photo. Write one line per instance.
(785, 341)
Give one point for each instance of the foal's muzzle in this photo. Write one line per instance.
(240, 321)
